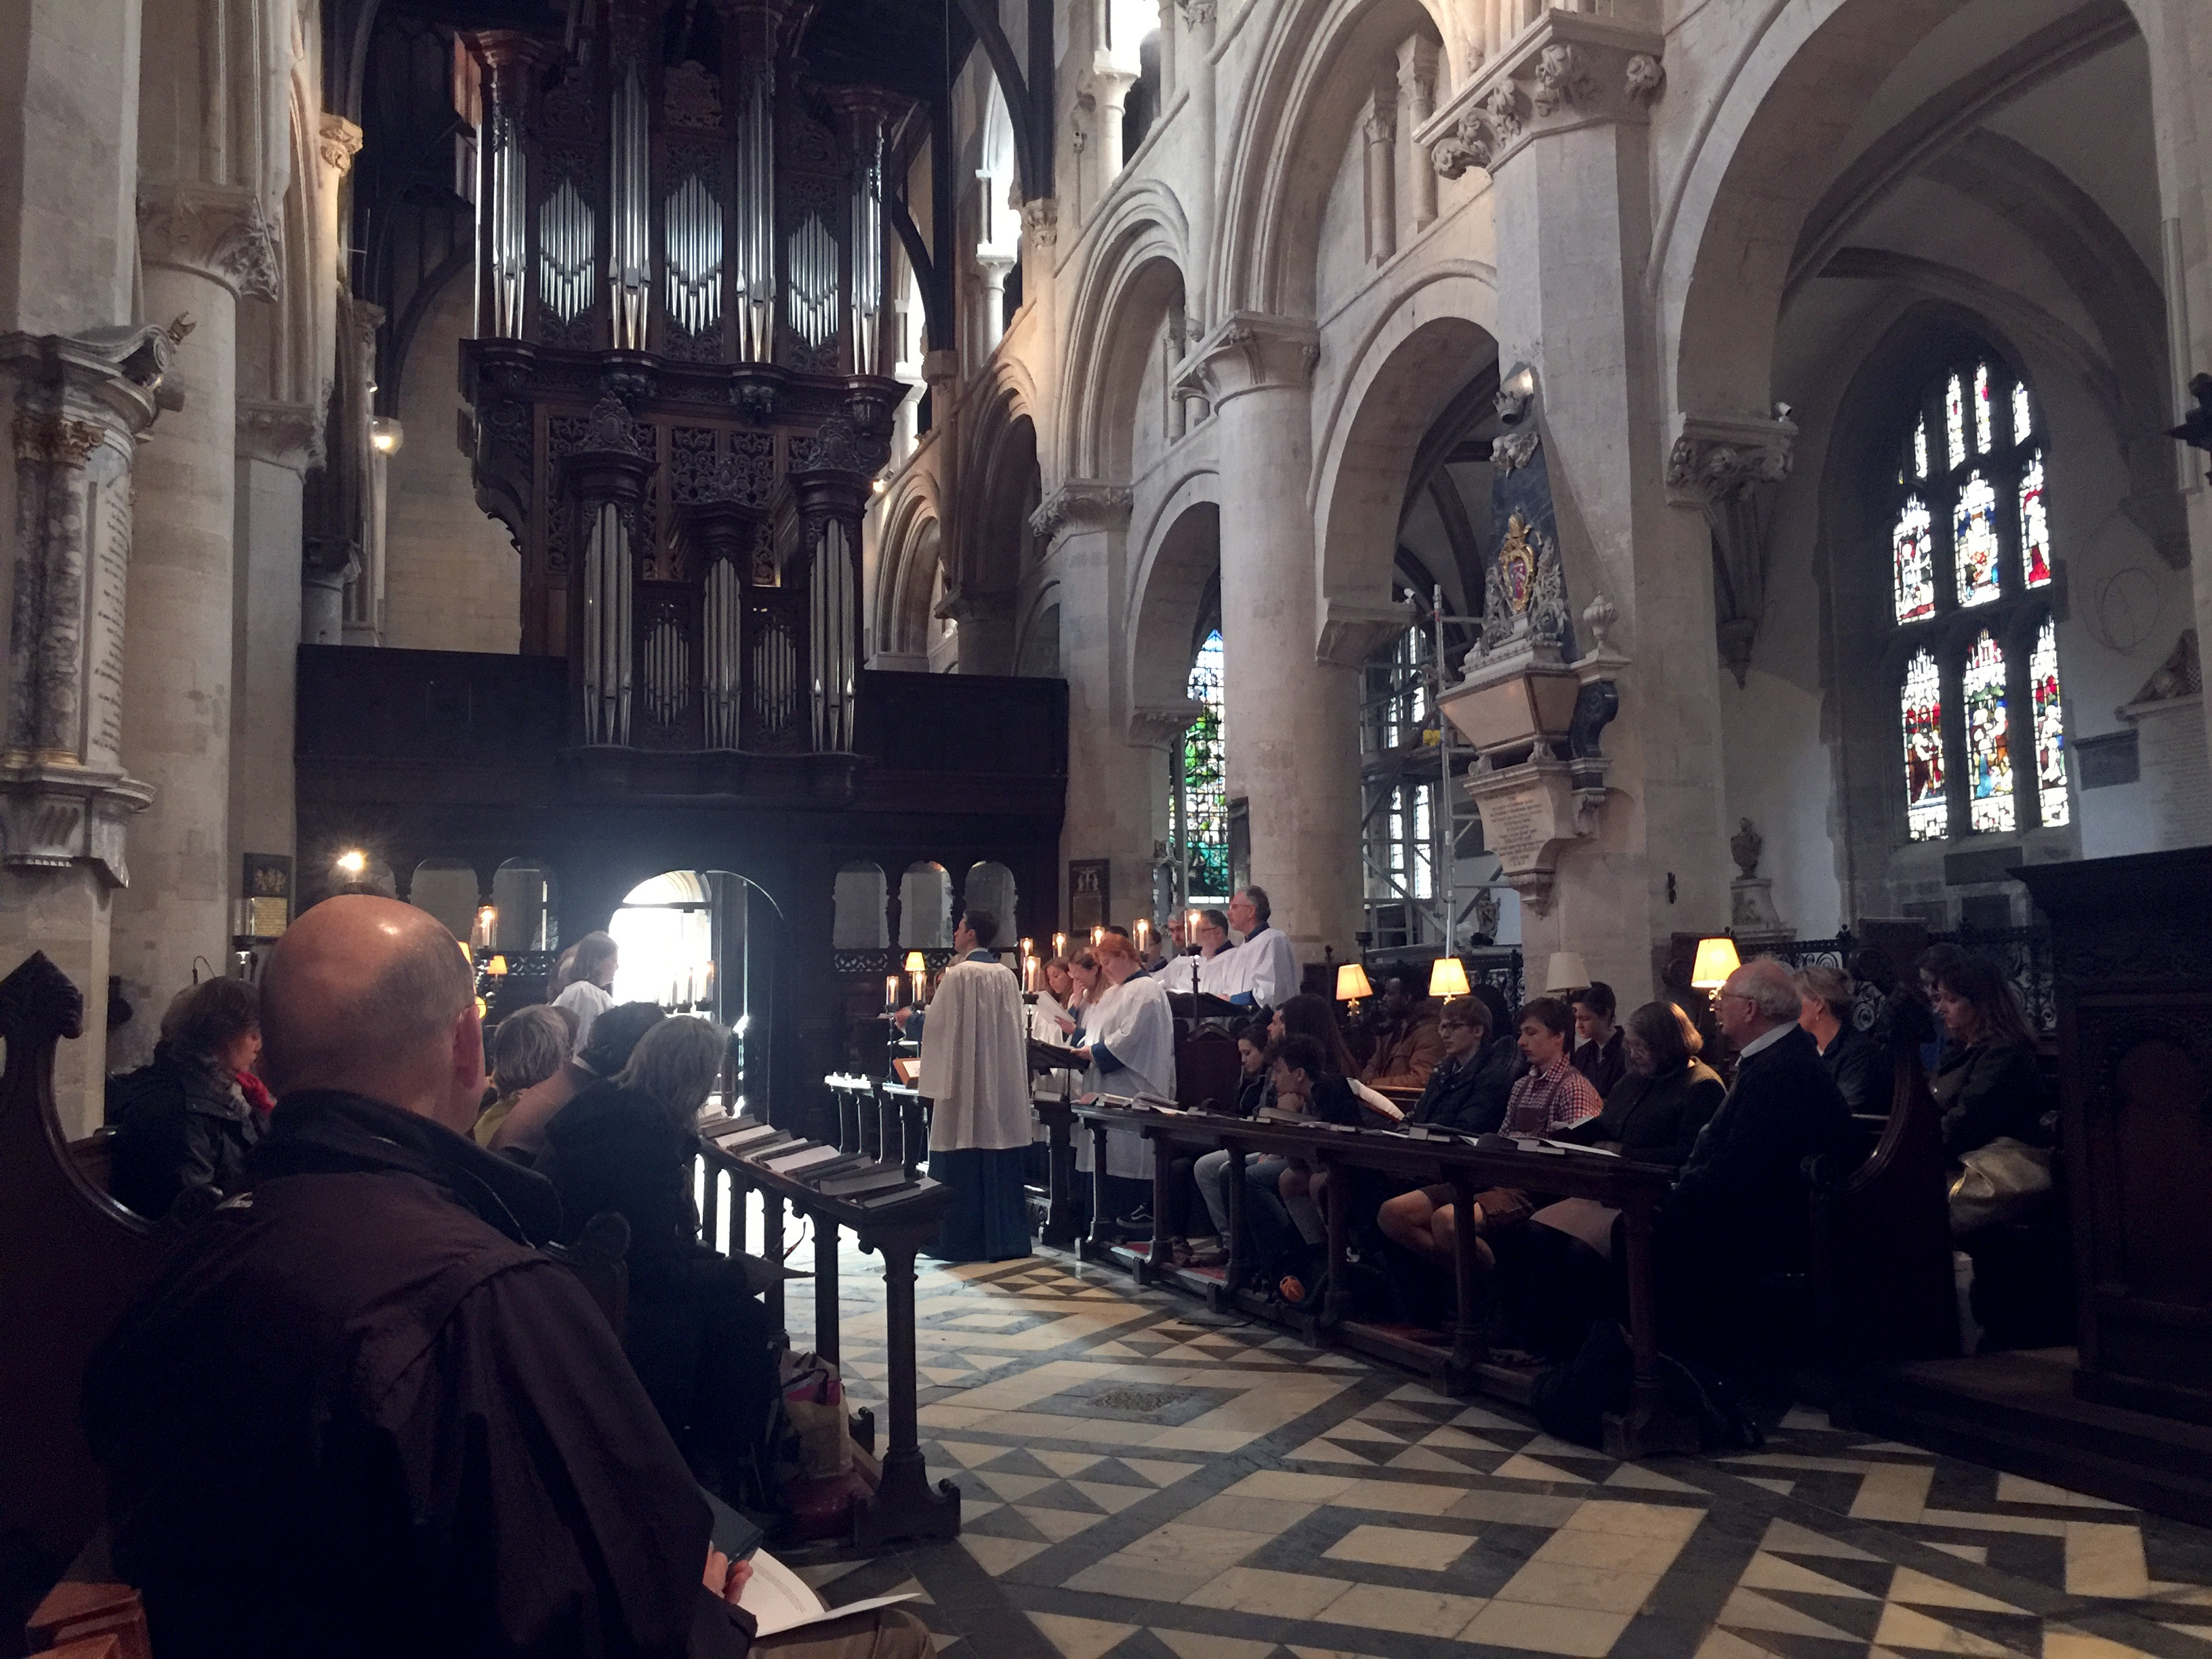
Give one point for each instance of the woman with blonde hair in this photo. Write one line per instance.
(1128, 1048)
(529, 1045)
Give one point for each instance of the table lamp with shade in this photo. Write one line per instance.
(1351, 984)
(918, 969)
(1565, 972)
(1717, 959)
(1447, 977)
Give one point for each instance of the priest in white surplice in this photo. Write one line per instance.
(975, 1070)
(1263, 971)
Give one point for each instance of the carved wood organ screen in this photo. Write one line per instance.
(676, 406)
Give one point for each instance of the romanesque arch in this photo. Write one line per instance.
(1136, 279)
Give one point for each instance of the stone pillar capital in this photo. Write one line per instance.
(1081, 504)
(220, 232)
(1041, 219)
(1162, 726)
(288, 435)
(1250, 351)
(1727, 466)
(1568, 70)
(52, 816)
(1352, 629)
(338, 141)
(109, 377)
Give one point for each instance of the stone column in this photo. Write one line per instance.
(1562, 122)
(1115, 778)
(992, 268)
(277, 443)
(80, 404)
(1292, 718)
(1417, 93)
(1198, 17)
(1112, 75)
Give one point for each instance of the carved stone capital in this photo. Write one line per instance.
(1250, 351)
(216, 231)
(282, 434)
(1198, 14)
(1041, 219)
(1719, 457)
(1162, 726)
(52, 817)
(1568, 70)
(1081, 504)
(109, 377)
(1352, 630)
(337, 141)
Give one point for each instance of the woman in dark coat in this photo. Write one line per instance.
(1654, 1113)
(698, 1336)
(1989, 1084)
(185, 1120)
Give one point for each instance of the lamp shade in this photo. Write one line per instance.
(498, 968)
(1565, 972)
(1447, 977)
(1351, 982)
(915, 964)
(1716, 960)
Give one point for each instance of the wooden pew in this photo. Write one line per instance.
(71, 1259)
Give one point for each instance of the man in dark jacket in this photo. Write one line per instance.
(358, 1412)
(1470, 1086)
(1738, 1209)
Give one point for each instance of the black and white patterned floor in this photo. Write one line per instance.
(1141, 1481)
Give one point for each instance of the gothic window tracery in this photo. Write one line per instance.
(1206, 778)
(1979, 701)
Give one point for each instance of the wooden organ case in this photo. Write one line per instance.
(675, 411)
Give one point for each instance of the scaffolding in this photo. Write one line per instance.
(1415, 812)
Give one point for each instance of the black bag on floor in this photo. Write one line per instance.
(1572, 1400)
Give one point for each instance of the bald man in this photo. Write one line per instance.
(358, 1413)
(1740, 1208)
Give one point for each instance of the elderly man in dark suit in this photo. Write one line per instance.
(1738, 1209)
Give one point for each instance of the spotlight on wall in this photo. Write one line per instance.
(385, 436)
(353, 861)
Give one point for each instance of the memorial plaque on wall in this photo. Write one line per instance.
(1090, 894)
(267, 886)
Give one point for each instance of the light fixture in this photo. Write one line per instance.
(1097, 937)
(1565, 972)
(1447, 977)
(1716, 960)
(915, 964)
(497, 968)
(1351, 982)
(387, 435)
(353, 861)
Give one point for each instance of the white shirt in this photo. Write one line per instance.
(1265, 965)
(1766, 1040)
(1202, 975)
(587, 1002)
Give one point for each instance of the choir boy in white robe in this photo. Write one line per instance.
(1263, 971)
(1127, 1042)
(1200, 972)
(975, 1070)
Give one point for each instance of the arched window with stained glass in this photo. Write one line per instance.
(1972, 562)
(1204, 804)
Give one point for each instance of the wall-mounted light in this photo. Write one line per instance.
(385, 436)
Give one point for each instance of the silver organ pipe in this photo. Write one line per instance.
(667, 672)
(725, 599)
(756, 203)
(607, 629)
(831, 637)
(694, 262)
(567, 229)
(812, 306)
(868, 252)
(507, 212)
(630, 268)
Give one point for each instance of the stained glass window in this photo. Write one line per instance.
(1974, 551)
(2050, 726)
(1988, 743)
(1206, 783)
(1984, 414)
(1954, 424)
(1914, 559)
(2023, 422)
(2035, 524)
(1920, 449)
(1927, 816)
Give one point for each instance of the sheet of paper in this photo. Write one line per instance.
(812, 1155)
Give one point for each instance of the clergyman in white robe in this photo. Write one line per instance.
(1263, 971)
(975, 1070)
(1134, 1027)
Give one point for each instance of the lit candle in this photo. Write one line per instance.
(1097, 935)
(1028, 973)
(1059, 946)
(1190, 928)
(1144, 931)
(890, 992)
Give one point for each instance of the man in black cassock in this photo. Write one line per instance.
(358, 1412)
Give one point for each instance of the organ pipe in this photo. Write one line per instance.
(508, 215)
(813, 307)
(868, 247)
(725, 599)
(693, 265)
(629, 271)
(755, 205)
(607, 629)
(831, 636)
(567, 228)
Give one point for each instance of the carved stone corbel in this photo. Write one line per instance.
(288, 435)
(1162, 726)
(1728, 467)
(337, 142)
(1041, 219)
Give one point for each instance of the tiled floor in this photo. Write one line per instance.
(1141, 1481)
